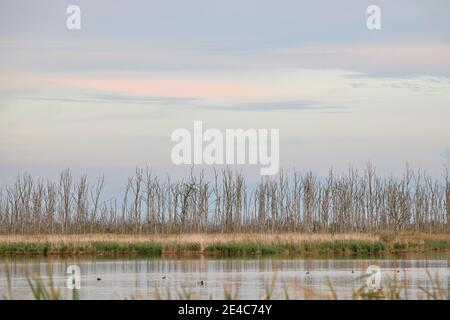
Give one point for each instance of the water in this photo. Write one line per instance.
(243, 278)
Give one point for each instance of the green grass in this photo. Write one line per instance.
(228, 249)
(338, 247)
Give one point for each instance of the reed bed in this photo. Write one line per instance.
(354, 202)
(204, 238)
(223, 244)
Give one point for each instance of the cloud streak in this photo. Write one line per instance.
(177, 102)
(385, 59)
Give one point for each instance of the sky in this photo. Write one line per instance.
(105, 98)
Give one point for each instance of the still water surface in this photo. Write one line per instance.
(204, 278)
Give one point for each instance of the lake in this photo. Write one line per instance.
(202, 278)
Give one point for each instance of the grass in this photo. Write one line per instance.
(288, 244)
(338, 248)
(96, 248)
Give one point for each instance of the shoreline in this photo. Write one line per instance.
(227, 245)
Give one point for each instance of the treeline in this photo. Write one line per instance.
(352, 202)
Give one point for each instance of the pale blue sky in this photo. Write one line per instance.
(106, 98)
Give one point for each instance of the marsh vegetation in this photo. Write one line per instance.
(225, 245)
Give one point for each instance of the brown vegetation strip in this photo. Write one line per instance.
(223, 238)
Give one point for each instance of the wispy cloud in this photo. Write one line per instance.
(375, 59)
(266, 106)
(117, 98)
(176, 102)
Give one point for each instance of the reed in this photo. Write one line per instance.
(290, 244)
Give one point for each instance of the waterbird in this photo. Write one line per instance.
(98, 279)
(307, 272)
(164, 277)
(201, 282)
(353, 271)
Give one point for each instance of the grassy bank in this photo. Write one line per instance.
(288, 244)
